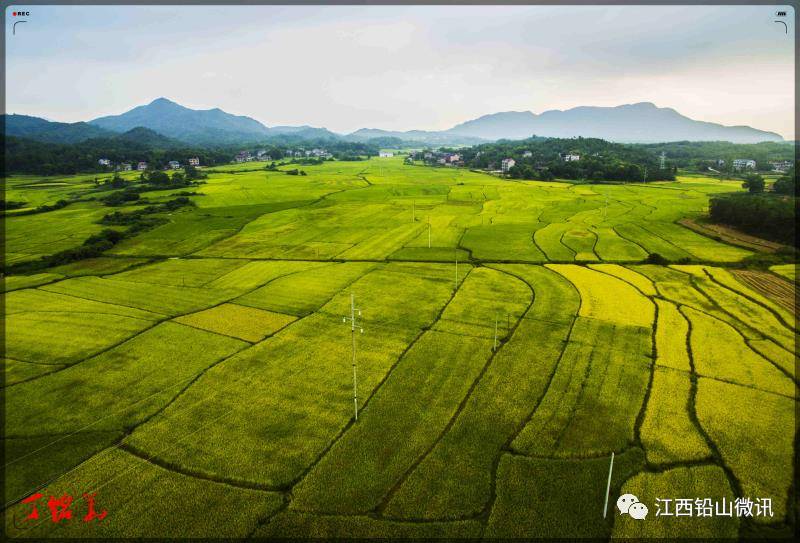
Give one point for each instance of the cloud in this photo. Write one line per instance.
(405, 67)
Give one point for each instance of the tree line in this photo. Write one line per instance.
(542, 158)
(769, 214)
(24, 156)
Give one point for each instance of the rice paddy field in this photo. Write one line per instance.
(197, 378)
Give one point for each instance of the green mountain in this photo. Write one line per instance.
(35, 128)
(209, 126)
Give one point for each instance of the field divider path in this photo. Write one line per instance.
(776, 314)
(128, 431)
(351, 422)
(637, 427)
(170, 466)
(662, 238)
(166, 318)
(506, 448)
(238, 231)
(617, 232)
(716, 305)
(381, 507)
(733, 481)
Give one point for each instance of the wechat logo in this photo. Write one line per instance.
(628, 504)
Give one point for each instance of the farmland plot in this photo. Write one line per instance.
(454, 480)
(207, 358)
(415, 404)
(307, 381)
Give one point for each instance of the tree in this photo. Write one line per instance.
(786, 184)
(117, 182)
(157, 177)
(754, 183)
(192, 173)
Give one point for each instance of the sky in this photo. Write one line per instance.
(402, 67)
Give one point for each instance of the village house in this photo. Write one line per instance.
(243, 156)
(126, 166)
(782, 167)
(566, 157)
(744, 164)
(385, 154)
(104, 162)
(194, 161)
(174, 165)
(507, 164)
(142, 166)
(527, 154)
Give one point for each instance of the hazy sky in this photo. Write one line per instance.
(402, 67)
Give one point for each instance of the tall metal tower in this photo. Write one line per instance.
(354, 314)
(662, 164)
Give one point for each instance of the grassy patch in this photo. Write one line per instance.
(146, 501)
(754, 433)
(454, 479)
(301, 525)
(695, 482)
(668, 433)
(608, 298)
(399, 424)
(720, 352)
(532, 493)
(247, 323)
(119, 387)
(600, 381)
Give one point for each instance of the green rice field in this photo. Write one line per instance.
(197, 377)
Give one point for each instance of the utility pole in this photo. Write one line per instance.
(645, 174)
(608, 484)
(456, 286)
(429, 231)
(413, 211)
(354, 313)
(494, 347)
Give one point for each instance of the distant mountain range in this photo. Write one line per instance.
(631, 123)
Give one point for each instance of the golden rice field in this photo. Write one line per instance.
(197, 377)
